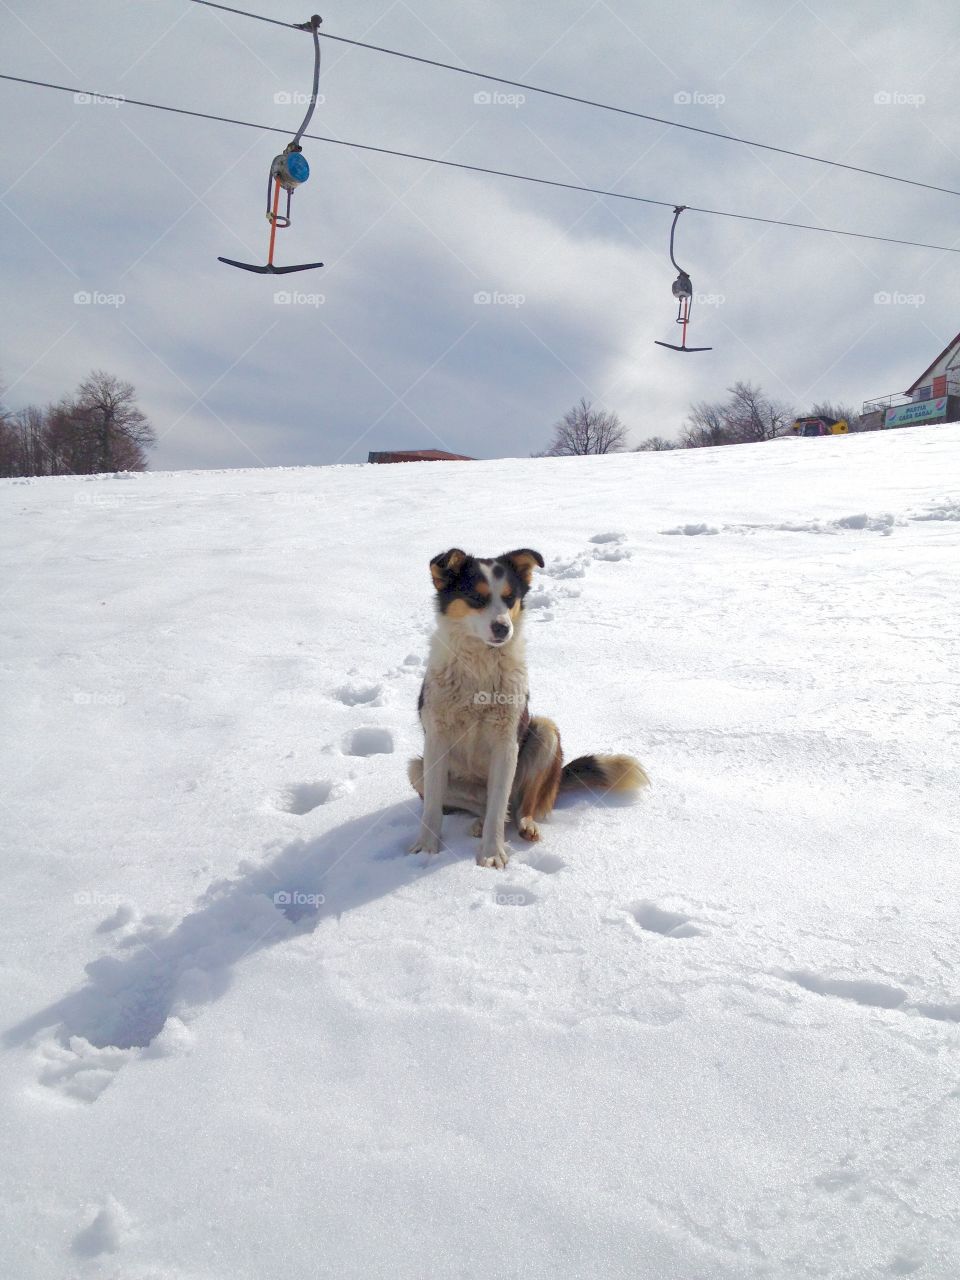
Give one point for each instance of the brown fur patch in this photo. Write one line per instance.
(549, 784)
(444, 566)
(482, 588)
(524, 560)
(458, 609)
(604, 773)
(539, 788)
(515, 611)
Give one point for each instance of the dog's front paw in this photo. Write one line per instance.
(492, 856)
(528, 829)
(427, 842)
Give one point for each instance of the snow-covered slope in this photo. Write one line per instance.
(713, 1033)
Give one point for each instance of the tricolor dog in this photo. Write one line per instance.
(483, 751)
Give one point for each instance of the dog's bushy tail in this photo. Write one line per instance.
(604, 773)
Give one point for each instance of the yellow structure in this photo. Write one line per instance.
(820, 427)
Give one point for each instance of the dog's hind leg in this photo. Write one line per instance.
(415, 774)
(537, 778)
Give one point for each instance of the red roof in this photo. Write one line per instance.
(418, 455)
(932, 363)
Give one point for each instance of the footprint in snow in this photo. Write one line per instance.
(692, 530)
(904, 1263)
(368, 741)
(107, 1229)
(360, 695)
(307, 796)
(540, 602)
(874, 995)
(573, 568)
(669, 924)
(78, 1069)
(609, 546)
(548, 863)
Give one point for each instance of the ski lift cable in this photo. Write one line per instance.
(599, 106)
(475, 168)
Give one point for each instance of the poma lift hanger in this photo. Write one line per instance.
(288, 171)
(683, 292)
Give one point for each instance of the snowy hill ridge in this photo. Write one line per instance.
(712, 1033)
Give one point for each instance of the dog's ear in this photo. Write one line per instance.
(523, 561)
(445, 567)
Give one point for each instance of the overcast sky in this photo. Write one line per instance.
(386, 346)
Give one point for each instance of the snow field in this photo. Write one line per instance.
(709, 1034)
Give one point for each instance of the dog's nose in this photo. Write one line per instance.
(500, 630)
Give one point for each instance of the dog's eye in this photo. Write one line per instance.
(475, 600)
(510, 600)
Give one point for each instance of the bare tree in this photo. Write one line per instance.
(752, 416)
(30, 426)
(70, 446)
(656, 444)
(584, 429)
(8, 440)
(705, 427)
(9, 451)
(98, 429)
(119, 429)
(747, 415)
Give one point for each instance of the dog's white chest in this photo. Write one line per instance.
(474, 701)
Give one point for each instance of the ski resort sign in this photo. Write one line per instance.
(906, 415)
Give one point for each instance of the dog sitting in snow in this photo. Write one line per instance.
(483, 752)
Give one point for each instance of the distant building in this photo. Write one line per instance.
(418, 455)
(934, 397)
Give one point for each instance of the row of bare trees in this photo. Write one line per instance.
(747, 416)
(99, 428)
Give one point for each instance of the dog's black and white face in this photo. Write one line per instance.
(485, 597)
